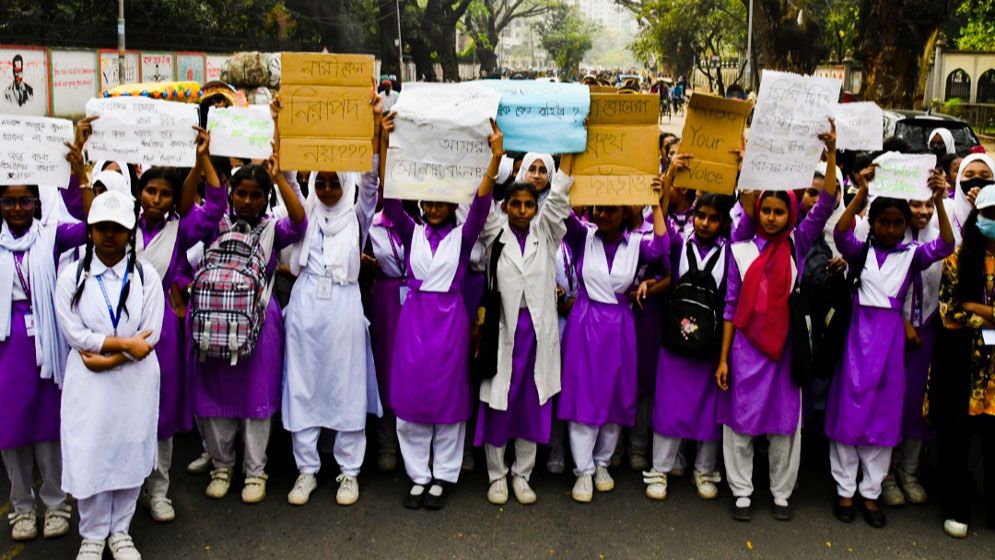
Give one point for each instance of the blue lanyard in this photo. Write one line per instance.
(115, 317)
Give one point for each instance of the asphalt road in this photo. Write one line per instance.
(619, 524)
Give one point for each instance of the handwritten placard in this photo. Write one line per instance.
(859, 126)
(143, 131)
(33, 150)
(904, 176)
(327, 121)
(243, 132)
(543, 117)
(784, 147)
(714, 127)
(621, 158)
(438, 150)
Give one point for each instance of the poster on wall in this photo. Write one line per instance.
(23, 81)
(157, 67)
(74, 81)
(215, 62)
(109, 69)
(190, 67)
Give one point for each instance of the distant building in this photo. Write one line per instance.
(965, 75)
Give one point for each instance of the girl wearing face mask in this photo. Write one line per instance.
(865, 405)
(975, 173)
(961, 397)
(328, 375)
(941, 142)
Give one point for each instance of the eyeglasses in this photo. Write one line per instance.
(25, 202)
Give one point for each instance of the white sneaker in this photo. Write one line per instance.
(582, 491)
(122, 547)
(497, 494)
(301, 493)
(23, 526)
(705, 483)
(656, 485)
(220, 482)
(891, 495)
(161, 508)
(57, 522)
(348, 492)
(523, 492)
(91, 549)
(603, 481)
(909, 483)
(200, 465)
(556, 464)
(254, 489)
(955, 529)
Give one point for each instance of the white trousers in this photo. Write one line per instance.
(219, 435)
(592, 446)
(667, 449)
(158, 482)
(349, 450)
(440, 445)
(784, 458)
(846, 460)
(107, 513)
(525, 460)
(20, 463)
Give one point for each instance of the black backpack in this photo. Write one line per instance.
(692, 323)
(483, 364)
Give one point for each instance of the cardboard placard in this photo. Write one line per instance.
(327, 121)
(33, 150)
(714, 126)
(621, 159)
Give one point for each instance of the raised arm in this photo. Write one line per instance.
(554, 212)
(366, 205)
(942, 246)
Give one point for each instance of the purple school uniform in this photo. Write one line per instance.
(251, 388)
(31, 405)
(866, 396)
(174, 403)
(599, 378)
(385, 310)
(762, 398)
(647, 324)
(429, 375)
(525, 418)
(686, 399)
(917, 363)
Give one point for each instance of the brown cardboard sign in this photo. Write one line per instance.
(714, 126)
(621, 159)
(327, 121)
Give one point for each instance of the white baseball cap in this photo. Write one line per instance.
(986, 198)
(113, 206)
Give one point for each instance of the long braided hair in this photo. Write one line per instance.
(122, 307)
(878, 206)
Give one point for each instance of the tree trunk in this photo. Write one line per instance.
(782, 42)
(447, 54)
(422, 56)
(486, 53)
(387, 34)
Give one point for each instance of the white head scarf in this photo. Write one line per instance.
(114, 181)
(822, 168)
(962, 206)
(339, 227)
(531, 158)
(99, 168)
(946, 136)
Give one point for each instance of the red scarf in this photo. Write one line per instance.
(762, 311)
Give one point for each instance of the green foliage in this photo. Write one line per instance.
(978, 31)
(568, 37)
(839, 19)
(953, 107)
(676, 32)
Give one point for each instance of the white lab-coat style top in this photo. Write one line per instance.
(530, 277)
(109, 419)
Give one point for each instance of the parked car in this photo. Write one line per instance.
(915, 126)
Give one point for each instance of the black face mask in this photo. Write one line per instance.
(979, 182)
(940, 151)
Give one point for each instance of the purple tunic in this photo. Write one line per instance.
(867, 394)
(917, 360)
(29, 403)
(762, 398)
(174, 402)
(429, 368)
(686, 399)
(647, 324)
(473, 292)
(250, 389)
(599, 375)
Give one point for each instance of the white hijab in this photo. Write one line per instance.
(946, 136)
(339, 227)
(113, 181)
(962, 206)
(99, 168)
(531, 158)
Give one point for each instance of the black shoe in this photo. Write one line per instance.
(743, 514)
(844, 513)
(436, 502)
(413, 501)
(781, 513)
(874, 518)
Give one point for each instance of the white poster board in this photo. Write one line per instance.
(859, 126)
(783, 147)
(143, 131)
(23, 81)
(438, 150)
(904, 176)
(109, 69)
(33, 150)
(74, 81)
(241, 132)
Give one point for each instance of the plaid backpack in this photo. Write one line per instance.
(230, 292)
